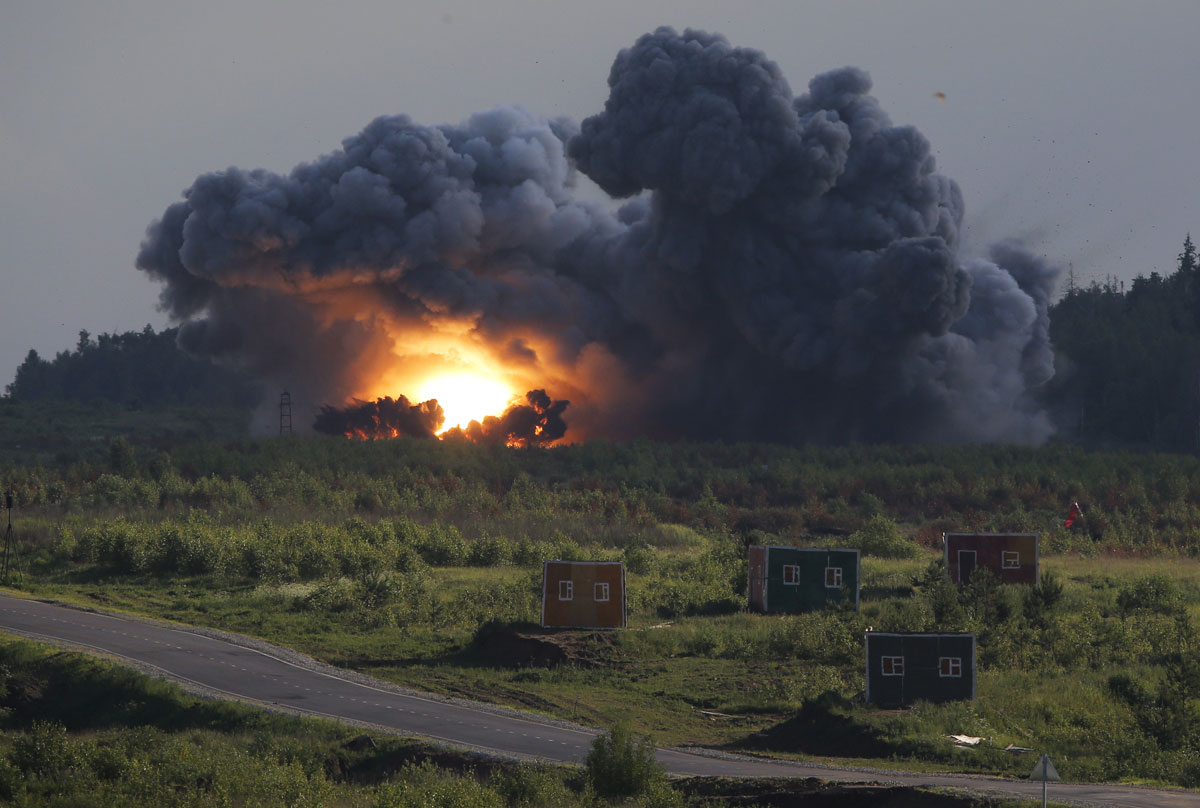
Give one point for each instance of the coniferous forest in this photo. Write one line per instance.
(1128, 360)
(135, 369)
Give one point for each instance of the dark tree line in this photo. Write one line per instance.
(134, 369)
(1129, 360)
(1128, 365)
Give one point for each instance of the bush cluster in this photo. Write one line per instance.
(613, 495)
(348, 535)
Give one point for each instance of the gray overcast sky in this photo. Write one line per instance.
(1073, 125)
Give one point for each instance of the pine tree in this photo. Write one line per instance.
(1187, 258)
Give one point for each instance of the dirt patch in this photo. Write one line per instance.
(506, 645)
(511, 696)
(379, 765)
(813, 793)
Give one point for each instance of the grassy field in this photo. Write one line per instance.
(52, 432)
(408, 560)
(83, 732)
(773, 684)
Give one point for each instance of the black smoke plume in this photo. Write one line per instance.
(383, 418)
(538, 423)
(785, 268)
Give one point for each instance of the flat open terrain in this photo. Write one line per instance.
(265, 676)
(420, 564)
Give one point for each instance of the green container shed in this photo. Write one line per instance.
(786, 580)
(907, 668)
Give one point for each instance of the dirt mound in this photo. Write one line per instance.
(822, 726)
(528, 646)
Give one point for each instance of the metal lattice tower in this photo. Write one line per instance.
(285, 413)
(8, 537)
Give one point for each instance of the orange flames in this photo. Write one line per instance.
(381, 419)
(466, 397)
(465, 382)
(538, 422)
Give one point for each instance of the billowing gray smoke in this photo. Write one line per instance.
(787, 268)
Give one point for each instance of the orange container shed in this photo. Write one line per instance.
(1013, 557)
(583, 594)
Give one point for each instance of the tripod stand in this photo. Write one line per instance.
(9, 544)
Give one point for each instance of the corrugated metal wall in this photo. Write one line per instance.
(583, 594)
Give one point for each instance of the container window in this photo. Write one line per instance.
(893, 666)
(566, 590)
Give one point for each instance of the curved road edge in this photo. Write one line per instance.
(231, 666)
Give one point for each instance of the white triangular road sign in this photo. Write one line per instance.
(1044, 770)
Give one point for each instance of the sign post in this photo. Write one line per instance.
(1044, 771)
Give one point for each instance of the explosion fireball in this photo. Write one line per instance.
(538, 422)
(466, 397)
(784, 267)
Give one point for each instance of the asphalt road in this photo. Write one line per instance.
(281, 678)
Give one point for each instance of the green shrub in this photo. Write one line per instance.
(671, 535)
(109, 763)
(315, 558)
(443, 546)
(425, 786)
(640, 560)
(377, 589)
(490, 551)
(880, 537)
(11, 781)
(622, 764)
(407, 559)
(495, 600)
(44, 751)
(185, 549)
(1154, 593)
(124, 492)
(333, 595)
(121, 458)
(530, 785)
(530, 553)
(1043, 597)
(566, 549)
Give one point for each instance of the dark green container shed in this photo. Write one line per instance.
(906, 668)
(786, 580)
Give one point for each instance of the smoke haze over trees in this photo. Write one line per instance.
(1128, 359)
(787, 267)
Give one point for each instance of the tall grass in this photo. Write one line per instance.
(390, 556)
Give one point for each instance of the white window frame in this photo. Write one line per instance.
(791, 575)
(600, 592)
(1010, 559)
(896, 665)
(566, 590)
(837, 578)
(950, 667)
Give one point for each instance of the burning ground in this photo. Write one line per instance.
(784, 267)
(538, 422)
